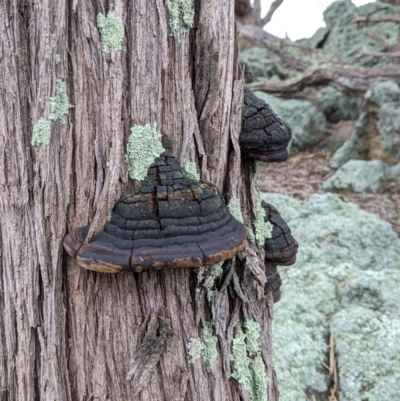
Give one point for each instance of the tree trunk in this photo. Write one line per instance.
(71, 334)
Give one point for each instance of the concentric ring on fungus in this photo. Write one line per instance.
(264, 135)
(171, 221)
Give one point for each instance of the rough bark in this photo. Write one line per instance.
(71, 334)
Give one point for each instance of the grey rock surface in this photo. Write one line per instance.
(346, 281)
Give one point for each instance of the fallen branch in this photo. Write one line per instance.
(351, 80)
(274, 6)
(377, 18)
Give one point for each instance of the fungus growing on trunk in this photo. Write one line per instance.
(280, 249)
(172, 220)
(264, 136)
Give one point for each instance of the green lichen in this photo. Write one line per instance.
(263, 229)
(111, 31)
(236, 209)
(248, 365)
(181, 16)
(195, 348)
(250, 235)
(57, 59)
(143, 147)
(41, 133)
(191, 169)
(59, 104)
(209, 351)
(215, 271)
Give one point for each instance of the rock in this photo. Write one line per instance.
(376, 134)
(338, 106)
(359, 176)
(346, 39)
(346, 280)
(307, 123)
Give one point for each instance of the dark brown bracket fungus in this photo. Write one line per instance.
(264, 135)
(280, 249)
(171, 221)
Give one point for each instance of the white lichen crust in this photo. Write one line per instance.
(191, 169)
(235, 208)
(195, 349)
(209, 351)
(111, 31)
(41, 133)
(263, 229)
(143, 147)
(248, 365)
(59, 104)
(181, 16)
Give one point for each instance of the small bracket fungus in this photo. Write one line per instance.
(170, 221)
(41, 133)
(280, 249)
(264, 136)
(181, 16)
(143, 147)
(111, 31)
(59, 104)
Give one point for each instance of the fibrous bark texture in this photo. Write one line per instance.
(71, 334)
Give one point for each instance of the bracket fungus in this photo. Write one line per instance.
(264, 135)
(172, 220)
(280, 249)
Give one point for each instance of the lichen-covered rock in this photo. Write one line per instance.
(359, 176)
(338, 106)
(307, 123)
(376, 134)
(346, 39)
(347, 268)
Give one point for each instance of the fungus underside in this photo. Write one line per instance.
(143, 147)
(248, 365)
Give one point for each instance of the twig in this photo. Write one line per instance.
(274, 6)
(373, 35)
(333, 369)
(377, 18)
(367, 53)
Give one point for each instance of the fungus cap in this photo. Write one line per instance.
(281, 248)
(264, 135)
(172, 220)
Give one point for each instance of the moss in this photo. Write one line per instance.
(263, 229)
(59, 104)
(209, 351)
(41, 133)
(111, 31)
(248, 365)
(236, 209)
(143, 147)
(181, 16)
(191, 169)
(195, 349)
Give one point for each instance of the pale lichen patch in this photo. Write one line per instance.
(143, 147)
(263, 229)
(111, 31)
(214, 272)
(195, 348)
(209, 351)
(181, 16)
(59, 104)
(248, 365)
(41, 133)
(235, 208)
(191, 169)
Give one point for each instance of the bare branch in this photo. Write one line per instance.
(349, 79)
(367, 53)
(377, 18)
(274, 6)
(373, 35)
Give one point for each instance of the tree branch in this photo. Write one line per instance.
(377, 18)
(349, 79)
(367, 53)
(274, 6)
